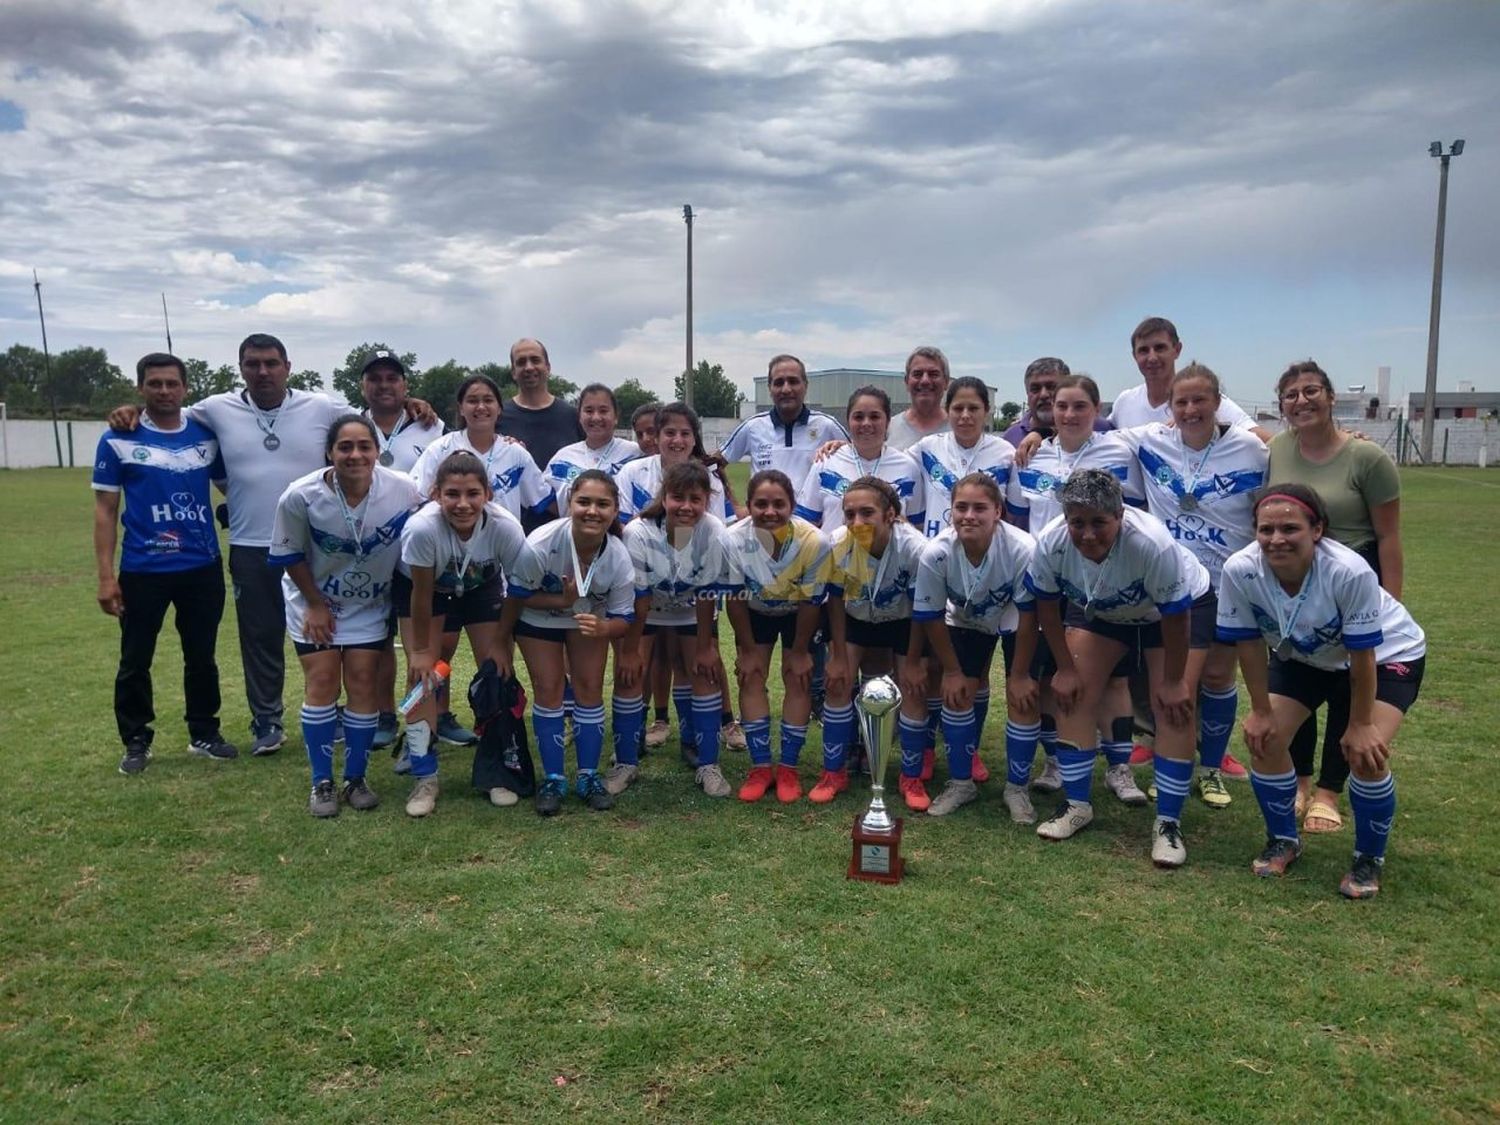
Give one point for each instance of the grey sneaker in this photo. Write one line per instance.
(1050, 779)
(503, 798)
(618, 778)
(358, 795)
(137, 757)
(734, 736)
(454, 733)
(658, 733)
(215, 748)
(1069, 820)
(403, 760)
(1120, 780)
(1018, 802)
(268, 737)
(711, 780)
(955, 795)
(385, 730)
(423, 797)
(1167, 849)
(324, 800)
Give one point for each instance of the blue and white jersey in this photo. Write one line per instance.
(985, 598)
(776, 578)
(1133, 408)
(1145, 576)
(640, 480)
(675, 576)
(944, 463)
(518, 485)
(458, 565)
(820, 498)
(577, 458)
(1204, 496)
(165, 475)
(406, 442)
(876, 590)
(352, 555)
(1339, 609)
(1032, 496)
(767, 443)
(609, 579)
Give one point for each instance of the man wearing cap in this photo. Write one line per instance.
(536, 418)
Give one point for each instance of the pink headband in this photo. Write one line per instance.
(1303, 504)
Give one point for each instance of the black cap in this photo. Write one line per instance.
(380, 355)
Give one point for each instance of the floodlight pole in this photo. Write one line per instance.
(47, 367)
(687, 377)
(1429, 397)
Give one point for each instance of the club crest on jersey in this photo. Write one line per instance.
(140, 453)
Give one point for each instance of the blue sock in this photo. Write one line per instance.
(913, 735)
(317, 735)
(1115, 753)
(570, 702)
(707, 720)
(792, 737)
(1048, 737)
(1277, 794)
(758, 739)
(547, 724)
(960, 737)
(838, 733)
(1216, 711)
(934, 720)
(682, 703)
(981, 712)
(359, 736)
(1020, 751)
(1374, 806)
(421, 747)
(1078, 772)
(629, 723)
(588, 735)
(1172, 781)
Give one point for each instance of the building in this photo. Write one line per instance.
(829, 390)
(1455, 404)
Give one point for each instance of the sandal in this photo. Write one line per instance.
(1303, 796)
(1322, 811)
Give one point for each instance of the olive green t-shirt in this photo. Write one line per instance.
(1359, 477)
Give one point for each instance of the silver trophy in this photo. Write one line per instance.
(877, 703)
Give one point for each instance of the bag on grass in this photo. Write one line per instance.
(503, 757)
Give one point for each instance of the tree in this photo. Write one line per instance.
(1009, 412)
(203, 381)
(714, 394)
(438, 386)
(23, 381)
(346, 378)
(630, 395)
(500, 372)
(305, 380)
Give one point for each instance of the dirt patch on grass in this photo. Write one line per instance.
(350, 1078)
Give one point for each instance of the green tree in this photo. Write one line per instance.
(87, 384)
(23, 381)
(714, 394)
(500, 372)
(438, 386)
(203, 380)
(346, 377)
(305, 380)
(1009, 412)
(630, 395)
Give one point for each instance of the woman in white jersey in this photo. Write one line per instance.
(967, 447)
(578, 590)
(872, 572)
(677, 549)
(337, 533)
(1200, 478)
(820, 501)
(1335, 637)
(1130, 589)
(598, 415)
(775, 579)
(455, 554)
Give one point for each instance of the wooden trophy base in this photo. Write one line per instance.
(877, 855)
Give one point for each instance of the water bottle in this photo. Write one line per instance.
(418, 690)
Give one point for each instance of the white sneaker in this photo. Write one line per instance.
(1018, 801)
(1050, 779)
(423, 797)
(734, 737)
(1120, 780)
(711, 780)
(618, 777)
(503, 798)
(658, 733)
(1069, 820)
(955, 795)
(1167, 849)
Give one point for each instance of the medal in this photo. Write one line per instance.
(271, 442)
(266, 421)
(387, 458)
(1284, 650)
(356, 527)
(1090, 592)
(1089, 612)
(1188, 503)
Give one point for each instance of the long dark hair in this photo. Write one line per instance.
(676, 481)
(463, 389)
(597, 476)
(714, 462)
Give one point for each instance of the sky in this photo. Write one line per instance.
(1005, 180)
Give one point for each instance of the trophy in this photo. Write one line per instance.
(877, 836)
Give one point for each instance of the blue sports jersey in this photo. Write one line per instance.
(165, 477)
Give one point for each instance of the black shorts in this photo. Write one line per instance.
(1136, 639)
(540, 633)
(893, 635)
(478, 606)
(679, 630)
(767, 628)
(1395, 684)
(303, 648)
(976, 651)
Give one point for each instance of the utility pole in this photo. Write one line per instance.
(47, 366)
(687, 378)
(168, 323)
(1429, 399)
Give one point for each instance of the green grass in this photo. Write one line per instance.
(191, 946)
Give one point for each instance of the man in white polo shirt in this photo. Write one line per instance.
(1155, 346)
(786, 436)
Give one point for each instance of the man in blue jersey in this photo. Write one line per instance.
(170, 557)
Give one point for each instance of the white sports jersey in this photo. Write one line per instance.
(1340, 608)
(458, 565)
(540, 570)
(352, 552)
(1204, 496)
(639, 481)
(676, 577)
(876, 590)
(1033, 489)
(901, 434)
(1145, 575)
(573, 459)
(517, 483)
(777, 586)
(944, 463)
(820, 498)
(257, 476)
(406, 441)
(985, 598)
(768, 444)
(1133, 408)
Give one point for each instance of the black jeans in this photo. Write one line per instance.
(260, 610)
(198, 597)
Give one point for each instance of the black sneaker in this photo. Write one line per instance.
(386, 727)
(324, 800)
(549, 796)
(358, 795)
(591, 789)
(268, 735)
(214, 747)
(1363, 880)
(137, 755)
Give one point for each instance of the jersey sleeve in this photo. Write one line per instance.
(525, 578)
(1236, 620)
(810, 497)
(107, 475)
(1167, 581)
(732, 572)
(816, 562)
(1357, 592)
(738, 445)
(930, 594)
(636, 547)
(424, 472)
(418, 545)
(1015, 499)
(289, 534)
(913, 490)
(1134, 484)
(1231, 414)
(1025, 550)
(1041, 576)
(620, 601)
(511, 538)
(1379, 482)
(534, 491)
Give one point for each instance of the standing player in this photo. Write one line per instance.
(598, 414)
(170, 558)
(821, 501)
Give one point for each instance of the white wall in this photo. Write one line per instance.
(29, 444)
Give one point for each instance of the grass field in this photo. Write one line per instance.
(191, 946)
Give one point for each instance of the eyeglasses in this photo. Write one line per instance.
(1312, 394)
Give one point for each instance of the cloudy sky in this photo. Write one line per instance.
(1005, 179)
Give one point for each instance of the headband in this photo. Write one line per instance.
(1303, 504)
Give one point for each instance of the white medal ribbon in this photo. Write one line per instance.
(1286, 624)
(602, 456)
(1090, 592)
(873, 589)
(387, 442)
(859, 462)
(964, 463)
(581, 580)
(267, 419)
(967, 568)
(1189, 484)
(1069, 466)
(464, 551)
(355, 529)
